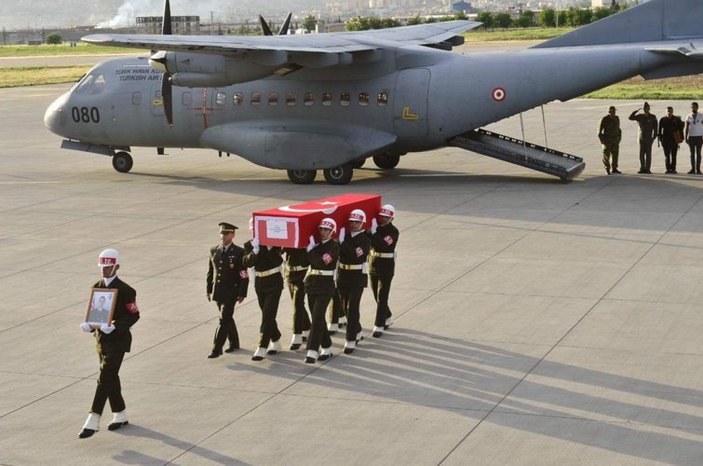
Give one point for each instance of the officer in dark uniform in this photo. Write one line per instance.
(268, 284)
(384, 239)
(296, 268)
(319, 286)
(227, 283)
(670, 126)
(113, 340)
(352, 279)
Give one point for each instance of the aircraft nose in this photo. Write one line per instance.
(54, 115)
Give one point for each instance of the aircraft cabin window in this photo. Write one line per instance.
(309, 98)
(136, 98)
(273, 98)
(382, 98)
(344, 98)
(255, 98)
(291, 98)
(186, 98)
(221, 98)
(363, 99)
(326, 98)
(238, 98)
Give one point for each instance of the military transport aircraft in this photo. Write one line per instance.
(328, 101)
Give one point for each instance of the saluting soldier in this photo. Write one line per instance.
(384, 239)
(647, 134)
(352, 279)
(227, 283)
(296, 268)
(113, 340)
(319, 286)
(268, 284)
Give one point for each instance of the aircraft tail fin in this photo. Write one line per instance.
(652, 21)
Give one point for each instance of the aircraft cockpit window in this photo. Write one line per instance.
(273, 98)
(255, 98)
(344, 98)
(326, 99)
(238, 98)
(221, 98)
(309, 98)
(136, 98)
(382, 98)
(91, 84)
(291, 98)
(363, 99)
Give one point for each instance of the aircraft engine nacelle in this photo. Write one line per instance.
(205, 70)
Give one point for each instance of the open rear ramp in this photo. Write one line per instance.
(526, 154)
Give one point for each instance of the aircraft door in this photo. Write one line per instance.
(410, 103)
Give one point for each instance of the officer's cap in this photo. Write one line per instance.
(227, 227)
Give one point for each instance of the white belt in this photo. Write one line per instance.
(329, 273)
(384, 255)
(296, 268)
(268, 272)
(351, 266)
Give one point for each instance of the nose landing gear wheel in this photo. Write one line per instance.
(302, 176)
(339, 175)
(122, 162)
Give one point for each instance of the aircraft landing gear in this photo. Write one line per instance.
(358, 163)
(386, 161)
(302, 176)
(339, 175)
(122, 162)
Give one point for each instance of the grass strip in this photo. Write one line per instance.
(38, 75)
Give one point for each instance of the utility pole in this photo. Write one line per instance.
(212, 23)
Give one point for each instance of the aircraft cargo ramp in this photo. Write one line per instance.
(526, 154)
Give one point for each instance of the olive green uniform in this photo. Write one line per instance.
(610, 135)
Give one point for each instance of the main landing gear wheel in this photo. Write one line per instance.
(122, 162)
(302, 176)
(386, 161)
(339, 175)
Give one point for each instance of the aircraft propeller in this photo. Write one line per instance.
(160, 58)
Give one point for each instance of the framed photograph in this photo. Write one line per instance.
(101, 306)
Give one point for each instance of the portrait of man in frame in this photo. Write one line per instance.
(101, 306)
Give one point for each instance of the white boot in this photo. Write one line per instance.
(342, 322)
(311, 357)
(377, 332)
(259, 354)
(388, 323)
(360, 336)
(325, 354)
(274, 347)
(333, 328)
(118, 420)
(296, 341)
(306, 334)
(91, 426)
(349, 347)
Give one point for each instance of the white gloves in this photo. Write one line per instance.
(107, 329)
(312, 244)
(85, 326)
(374, 226)
(255, 245)
(342, 234)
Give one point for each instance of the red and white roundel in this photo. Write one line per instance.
(498, 94)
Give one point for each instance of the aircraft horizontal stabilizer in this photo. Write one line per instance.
(289, 144)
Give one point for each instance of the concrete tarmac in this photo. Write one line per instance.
(536, 322)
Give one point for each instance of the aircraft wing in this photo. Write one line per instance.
(431, 34)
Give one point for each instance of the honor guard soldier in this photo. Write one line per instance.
(227, 283)
(296, 268)
(113, 340)
(384, 239)
(268, 284)
(352, 279)
(319, 286)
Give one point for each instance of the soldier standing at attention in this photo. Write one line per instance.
(609, 133)
(227, 283)
(647, 134)
(296, 268)
(319, 286)
(113, 340)
(670, 125)
(268, 284)
(352, 279)
(694, 138)
(384, 239)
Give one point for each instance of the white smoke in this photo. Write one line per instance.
(129, 10)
